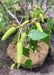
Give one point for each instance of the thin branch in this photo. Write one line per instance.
(51, 39)
(23, 3)
(13, 16)
(46, 10)
(47, 7)
(29, 24)
(26, 9)
(41, 3)
(47, 2)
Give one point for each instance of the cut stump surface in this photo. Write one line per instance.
(37, 58)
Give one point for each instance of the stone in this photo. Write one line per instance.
(37, 58)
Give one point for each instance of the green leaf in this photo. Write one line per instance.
(33, 45)
(47, 39)
(50, 6)
(33, 27)
(23, 16)
(50, 23)
(53, 8)
(1, 19)
(3, 30)
(36, 35)
(26, 52)
(19, 1)
(50, 0)
(37, 0)
(27, 64)
(6, 17)
(31, 1)
(47, 31)
(36, 13)
(1, 14)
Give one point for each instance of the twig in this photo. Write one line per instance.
(47, 2)
(26, 9)
(51, 39)
(41, 3)
(46, 10)
(23, 3)
(47, 7)
(30, 23)
(13, 16)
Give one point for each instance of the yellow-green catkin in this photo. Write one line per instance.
(24, 23)
(19, 53)
(8, 33)
(12, 66)
(41, 15)
(39, 26)
(23, 37)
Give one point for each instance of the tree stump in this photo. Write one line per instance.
(37, 58)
